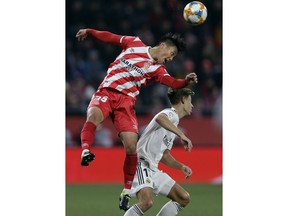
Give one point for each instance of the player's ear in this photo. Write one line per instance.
(182, 100)
(162, 45)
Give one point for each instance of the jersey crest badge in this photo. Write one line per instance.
(147, 65)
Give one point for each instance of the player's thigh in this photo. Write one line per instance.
(99, 107)
(179, 194)
(124, 115)
(142, 178)
(163, 183)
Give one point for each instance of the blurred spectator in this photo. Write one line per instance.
(69, 138)
(217, 111)
(103, 137)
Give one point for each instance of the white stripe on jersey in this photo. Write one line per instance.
(137, 39)
(121, 39)
(133, 94)
(139, 50)
(152, 68)
(128, 85)
(110, 80)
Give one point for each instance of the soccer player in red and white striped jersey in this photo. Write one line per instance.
(136, 66)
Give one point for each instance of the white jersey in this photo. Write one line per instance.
(156, 139)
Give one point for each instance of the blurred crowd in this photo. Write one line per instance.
(87, 61)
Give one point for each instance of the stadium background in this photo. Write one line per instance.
(86, 65)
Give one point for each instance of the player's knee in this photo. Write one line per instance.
(130, 149)
(129, 141)
(147, 204)
(184, 199)
(130, 146)
(95, 115)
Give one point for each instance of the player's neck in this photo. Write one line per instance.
(179, 110)
(153, 52)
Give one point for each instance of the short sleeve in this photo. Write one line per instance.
(160, 73)
(170, 115)
(127, 40)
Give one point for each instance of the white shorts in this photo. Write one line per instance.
(160, 182)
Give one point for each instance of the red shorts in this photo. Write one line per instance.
(120, 107)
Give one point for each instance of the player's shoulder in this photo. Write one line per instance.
(131, 40)
(159, 70)
(169, 112)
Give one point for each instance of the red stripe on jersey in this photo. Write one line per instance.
(136, 55)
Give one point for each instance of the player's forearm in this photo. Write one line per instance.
(170, 161)
(164, 122)
(105, 36)
(173, 82)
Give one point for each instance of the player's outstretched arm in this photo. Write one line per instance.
(104, 36)
(170, 161)
(179, 83)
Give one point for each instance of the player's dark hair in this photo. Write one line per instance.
(176, 95)
(174, 39)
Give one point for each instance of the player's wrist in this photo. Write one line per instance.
(181, 135)
(88, 30)
(182, 167)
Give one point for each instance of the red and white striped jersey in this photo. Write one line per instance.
(133, 68)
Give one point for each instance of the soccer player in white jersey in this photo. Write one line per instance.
(136, 66)
(154, 146)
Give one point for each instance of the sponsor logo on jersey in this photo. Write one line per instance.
(167, 140)
(131, 67)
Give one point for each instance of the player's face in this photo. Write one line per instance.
(167, 53)
(188, 106)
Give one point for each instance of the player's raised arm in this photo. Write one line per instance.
(164, 122)
(179, 83)
(104, 36)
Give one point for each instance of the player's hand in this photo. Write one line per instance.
(191, 78)
(187, 171)
(81, 34)
(186, 142)
(86, 157)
